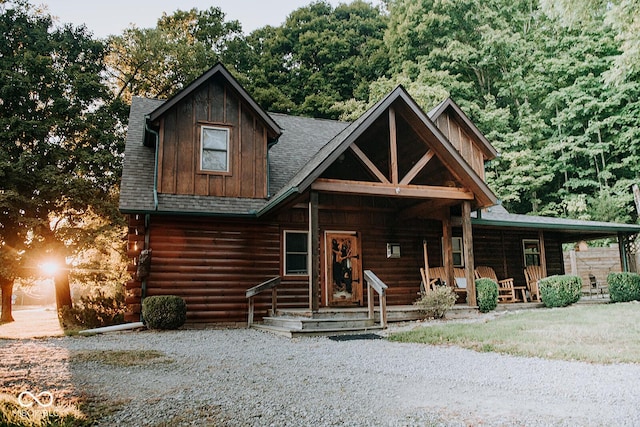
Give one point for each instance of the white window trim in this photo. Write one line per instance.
(285, 252)
(228, 150)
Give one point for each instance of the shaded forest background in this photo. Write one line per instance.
(552, 84)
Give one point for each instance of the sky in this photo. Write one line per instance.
(107, 17)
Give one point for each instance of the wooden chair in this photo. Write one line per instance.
(506, 289)
(533, 273)
(437, 275)
(595, 286)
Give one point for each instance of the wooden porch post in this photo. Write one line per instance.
(543, 253)
(622, 248)
(314, 239)
(447, 249)
(467, 243)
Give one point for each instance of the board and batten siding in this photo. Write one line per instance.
(214, 104)
(462, 142)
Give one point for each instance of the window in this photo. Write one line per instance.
(214, 144)
(296, 250)
(531, 250)
(456, 249)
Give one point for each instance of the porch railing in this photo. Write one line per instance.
(375, 284)
(264, 286)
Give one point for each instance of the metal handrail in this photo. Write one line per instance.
(264, 286)
(374, 283)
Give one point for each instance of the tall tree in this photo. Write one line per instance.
(157, 62)
(60, 145)
(318, 57)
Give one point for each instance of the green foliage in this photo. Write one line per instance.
(164, 312)
(319, 57)
(560, 291)
(624, 287)
(436, 303)
(94, 311)
(61, 141)
(487, 291)
(157, 62)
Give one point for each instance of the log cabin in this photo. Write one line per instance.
(227, 196)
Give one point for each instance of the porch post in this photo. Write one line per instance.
(447, 250)
(622, 248)
(467, 243)
(314, 238)
(543, 253)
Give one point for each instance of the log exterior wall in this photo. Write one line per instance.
(214, 104)
(211, 262)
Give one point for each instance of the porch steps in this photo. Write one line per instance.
(341, 321)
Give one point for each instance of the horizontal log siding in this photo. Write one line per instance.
(502, 250)
(211, 263)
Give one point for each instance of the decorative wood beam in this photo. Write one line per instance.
(393, 146)
(368, 163)
(415, 170)
(380, 189)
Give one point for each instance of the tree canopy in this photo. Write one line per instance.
(61, 140)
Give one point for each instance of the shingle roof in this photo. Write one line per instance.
(302, 138)
(498, 216)
(136, 188)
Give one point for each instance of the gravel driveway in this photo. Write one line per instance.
(244, 377)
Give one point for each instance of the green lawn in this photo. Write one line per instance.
(607, 333)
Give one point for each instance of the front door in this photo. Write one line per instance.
(343, 283)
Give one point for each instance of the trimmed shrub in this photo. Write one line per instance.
(560, 291)
(436, 303)
(94, 311)
(164, 312)
(624, 287)
(487, 292)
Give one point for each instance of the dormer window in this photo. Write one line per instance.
(214, 149)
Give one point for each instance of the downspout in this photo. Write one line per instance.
(155, 167)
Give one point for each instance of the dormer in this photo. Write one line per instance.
(213, 140)
(463, 134)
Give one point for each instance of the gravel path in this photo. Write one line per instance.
(249, 378)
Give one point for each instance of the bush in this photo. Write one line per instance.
(487, 291)
(560, 291)
(94, 311)
(164, 312)
(436, 303)
(624, 287)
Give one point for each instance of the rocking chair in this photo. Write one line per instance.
(506, 290)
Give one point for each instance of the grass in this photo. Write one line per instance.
(14, 415)
(608, 333)
(123, 358)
